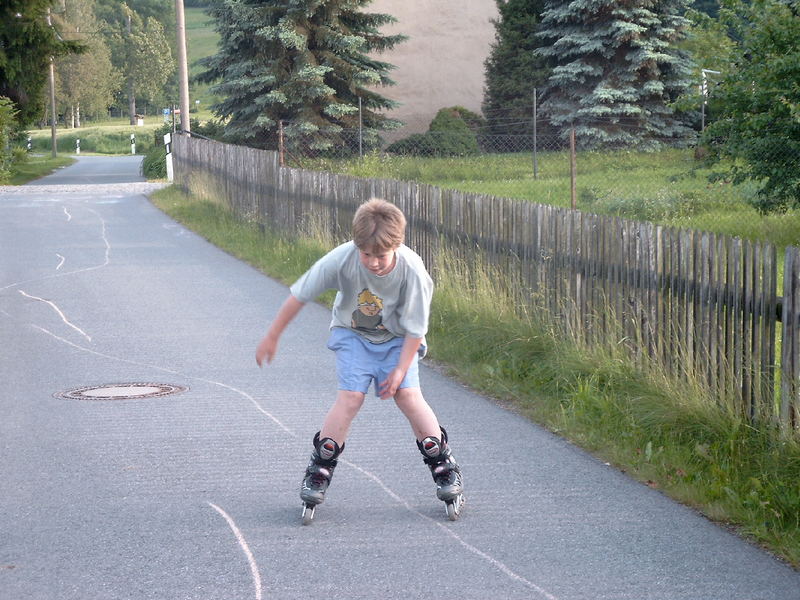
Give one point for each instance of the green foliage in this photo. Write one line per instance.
(8, 123)
(451, 133)
(615, 71)
(757, 122)
(26, 45)
(513, 69)
(306, 63)
(154, 164)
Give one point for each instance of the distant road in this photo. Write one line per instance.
(106, 494)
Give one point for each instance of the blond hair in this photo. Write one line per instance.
(378, 225)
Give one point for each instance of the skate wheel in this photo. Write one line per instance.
(453, 508)
(308, 513)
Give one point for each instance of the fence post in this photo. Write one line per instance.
(360, 124)
(573, 169)
(281, 160)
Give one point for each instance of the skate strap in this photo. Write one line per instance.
(315, 469)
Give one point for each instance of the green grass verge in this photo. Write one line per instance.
(669, 436)
(667, 187)
(35, 167)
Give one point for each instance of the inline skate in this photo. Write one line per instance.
(446, 473)
(318, 475)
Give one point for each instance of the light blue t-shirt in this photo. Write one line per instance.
(378, 307)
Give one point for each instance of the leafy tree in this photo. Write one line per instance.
(27, 44)
(709, 46)
(86, 82)
(8, 124)
(616, 70)
(513, 69)
(758, 121)
(141, 52)
(304, 62)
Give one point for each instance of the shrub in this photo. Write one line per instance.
(452, 132)
(154, 164)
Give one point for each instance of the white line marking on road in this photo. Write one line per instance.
(106, 261)
(253, 400)
(245, 548)
(500, 566)
(61, 262)
(69, 216)
(491, 560)
(60, 313)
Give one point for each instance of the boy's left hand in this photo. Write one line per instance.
(388, 387)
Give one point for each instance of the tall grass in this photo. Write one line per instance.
(669, 435)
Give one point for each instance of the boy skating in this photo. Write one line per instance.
(379, 321)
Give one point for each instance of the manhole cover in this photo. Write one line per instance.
(122, 391)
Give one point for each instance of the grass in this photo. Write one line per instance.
(35, 167)
(669, 436)
(667, 187)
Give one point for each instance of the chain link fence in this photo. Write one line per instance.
(670, 184)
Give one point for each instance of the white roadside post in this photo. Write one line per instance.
(78, 146)
(168, 146)
(133, 143)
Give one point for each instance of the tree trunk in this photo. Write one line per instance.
(131, 102)
(78, 114)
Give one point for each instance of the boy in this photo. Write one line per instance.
(380, 318)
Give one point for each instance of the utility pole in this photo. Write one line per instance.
(183, 69)
(704, 92)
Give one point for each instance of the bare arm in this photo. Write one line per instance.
(269, 344)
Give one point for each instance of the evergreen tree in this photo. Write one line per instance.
(303, 62)
(513, 69)
(616, 70)
(27, 44)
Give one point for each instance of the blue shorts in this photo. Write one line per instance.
(359, 362)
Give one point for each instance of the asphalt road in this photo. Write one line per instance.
(195, 494)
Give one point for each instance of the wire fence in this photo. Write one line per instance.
(663, 180)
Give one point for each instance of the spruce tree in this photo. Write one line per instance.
(303, 62)
(616, 70)
(512, 69)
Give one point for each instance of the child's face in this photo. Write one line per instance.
(378, 262)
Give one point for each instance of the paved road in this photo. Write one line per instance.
(194, 494)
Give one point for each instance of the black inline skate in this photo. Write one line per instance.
(318, 475)
(446, 473)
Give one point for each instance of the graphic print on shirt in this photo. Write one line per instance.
(368, 313)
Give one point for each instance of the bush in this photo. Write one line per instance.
(154, 165)
(452, 132)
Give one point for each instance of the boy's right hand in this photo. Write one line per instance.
(266, 349)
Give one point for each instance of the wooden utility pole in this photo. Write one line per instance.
(183, 69)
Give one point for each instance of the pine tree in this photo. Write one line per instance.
(513, 70)
(303, 62)
(616, 70)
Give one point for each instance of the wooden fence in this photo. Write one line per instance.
(702, 305)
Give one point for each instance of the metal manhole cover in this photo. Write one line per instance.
(122, 391)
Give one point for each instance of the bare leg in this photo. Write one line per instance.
(341, 415)
(419, 414)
